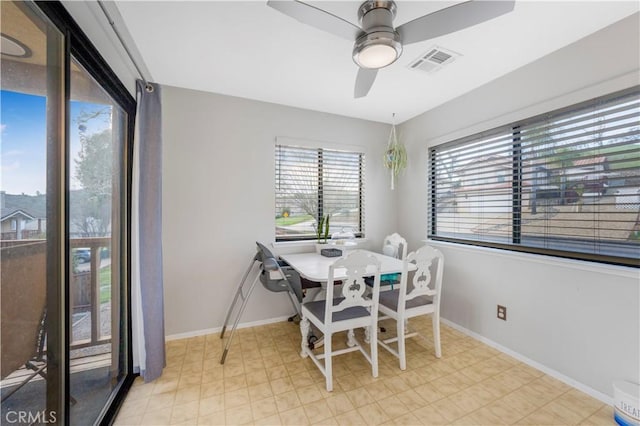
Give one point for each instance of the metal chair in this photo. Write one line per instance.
(275, 276)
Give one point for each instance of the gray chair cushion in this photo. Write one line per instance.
(317, 309)
(390, 300)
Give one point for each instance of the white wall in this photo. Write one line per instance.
(579, 319)
(218, 196)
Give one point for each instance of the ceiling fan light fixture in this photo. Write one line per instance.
(377, 50)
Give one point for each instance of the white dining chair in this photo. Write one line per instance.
(393, 245)
(344, 312)
(415, 297)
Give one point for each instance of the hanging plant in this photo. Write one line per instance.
(395, 157)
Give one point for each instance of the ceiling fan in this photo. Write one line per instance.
(377, 43)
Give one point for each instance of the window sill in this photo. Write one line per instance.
(305, 246)
(582, 265)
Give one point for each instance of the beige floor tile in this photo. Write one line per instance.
(140, 392)
(191, 367)
(157, 417)
(429, 392)
(211, 405)
(339, 403)
(260, 391)
(186, 411)
(430, 416)
(128, 421)
(134, 407)
(160, 401)
(283, 385)
(239, 415)
(213, 388)
(266, 382)
(264, 408)
(467, 401)
(166, 386)
(448, 409)
(301, 380)
(445, 386)
(580, 403)
(294, 417)
(277, 372)
(236, 398)
(373, 414)
(287, 401)
(215, 419)
(187, 395)
(269, 421)
(350, 418)
(409, 419)
(560, 411)
(412, 399)
(604, 416)
(317, 410)
(189, 379)
(519, 401)
(484, 416)
(331, 421)
(501, 410)
(379, 391)
(359, 397)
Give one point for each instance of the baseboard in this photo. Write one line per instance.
(551, 372)
(206, 331)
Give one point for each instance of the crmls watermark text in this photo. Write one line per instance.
(30, 417)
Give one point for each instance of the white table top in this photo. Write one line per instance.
(315, 267)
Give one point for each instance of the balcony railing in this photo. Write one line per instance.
(92, 291)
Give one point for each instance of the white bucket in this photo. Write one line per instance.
(626, 403)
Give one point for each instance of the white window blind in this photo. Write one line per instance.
(313, 183)
(566, 183)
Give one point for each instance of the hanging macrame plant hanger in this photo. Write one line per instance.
(395, 157)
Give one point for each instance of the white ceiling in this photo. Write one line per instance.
(247, 49)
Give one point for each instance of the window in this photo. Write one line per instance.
(566, 183)
(67, 123)
(313, 183)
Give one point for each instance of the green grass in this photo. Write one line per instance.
(105, 284)
(292, 220)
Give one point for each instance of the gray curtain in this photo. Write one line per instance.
(149, 241)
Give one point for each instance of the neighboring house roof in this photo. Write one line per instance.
(590, 161)
(16, 213)
(498, 161)
(31, 206)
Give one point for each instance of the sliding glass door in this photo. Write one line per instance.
(66, 125)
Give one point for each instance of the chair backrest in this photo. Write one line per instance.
(423, 281)
(395, 246)
(355, 266)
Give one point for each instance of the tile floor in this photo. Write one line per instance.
(265, 382)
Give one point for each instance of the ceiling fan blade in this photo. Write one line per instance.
(452, 19)
(364, 81)
(317, 18)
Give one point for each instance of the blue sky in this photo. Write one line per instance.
(23, 140)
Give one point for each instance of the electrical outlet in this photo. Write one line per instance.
(502, 312)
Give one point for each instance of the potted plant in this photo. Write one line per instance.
(395, 157)
(322, 232)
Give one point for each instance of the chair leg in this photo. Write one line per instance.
(328, 364)
(435, 319)
(373, 344)
(400, 325)
(304, 330)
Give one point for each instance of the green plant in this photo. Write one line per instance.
(322, 231)
(395, 157)
(326, 229)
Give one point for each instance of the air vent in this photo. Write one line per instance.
(434, 60)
